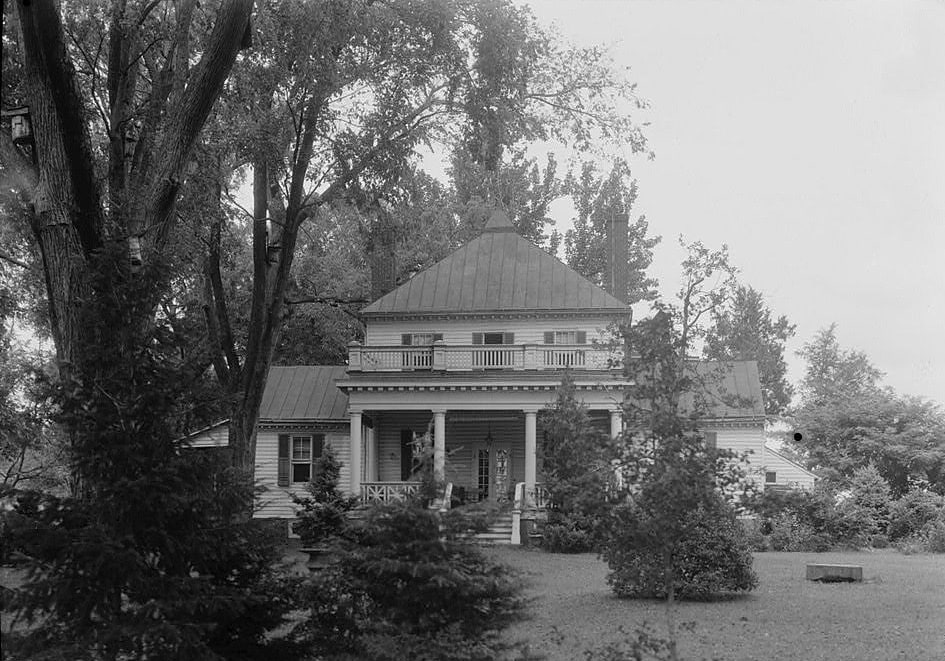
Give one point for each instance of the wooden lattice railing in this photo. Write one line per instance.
(386, 492)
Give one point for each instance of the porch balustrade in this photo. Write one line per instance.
(458, 358)
(387, 492)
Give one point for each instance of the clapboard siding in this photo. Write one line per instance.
(742, 440)
(787, 473)
(276, 501)
(527, 331)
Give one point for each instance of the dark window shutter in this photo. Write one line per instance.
(283, 473)
(318, 447)
(549, 337)
(582, 337)
(406, 339)
(711, 439)
(477, 338)
(508, 338)
(406, 454)
(437, 336)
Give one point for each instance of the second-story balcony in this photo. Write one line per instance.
(440, 357)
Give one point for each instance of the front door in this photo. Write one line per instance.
(493, 472)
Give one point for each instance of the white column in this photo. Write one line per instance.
(531, 451)
(439, 445)
(616, 423)
(355, 459)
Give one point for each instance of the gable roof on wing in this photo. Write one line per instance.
(498, 271)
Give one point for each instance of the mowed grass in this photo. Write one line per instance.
(898, 612)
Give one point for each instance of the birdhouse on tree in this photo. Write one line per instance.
(21, 129)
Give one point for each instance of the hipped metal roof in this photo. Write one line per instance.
(499, 271)
(304, 392)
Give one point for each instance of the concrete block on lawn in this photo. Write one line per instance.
(834, 573)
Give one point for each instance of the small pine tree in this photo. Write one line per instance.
(402, 587)
(322, 514)
(866, 510)
(576, 466)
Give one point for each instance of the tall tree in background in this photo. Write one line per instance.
(744, 330)
(598, 198)
(708, 284)
(834, 372)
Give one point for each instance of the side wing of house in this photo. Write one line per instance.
(783, 473)
(214, 436)
(734, 409)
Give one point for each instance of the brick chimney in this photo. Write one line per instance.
(617, 277)
(382, 242)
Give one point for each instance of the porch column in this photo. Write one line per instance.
(530, 455)
(355, 445)
(616, 423)
(439, 445)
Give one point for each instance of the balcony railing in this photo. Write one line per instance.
(457, 358)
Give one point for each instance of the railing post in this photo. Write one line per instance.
(439, 356)
(530, 361)
(354, 356)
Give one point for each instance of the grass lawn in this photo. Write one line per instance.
(898, 612)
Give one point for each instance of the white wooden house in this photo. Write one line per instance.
(471, 348)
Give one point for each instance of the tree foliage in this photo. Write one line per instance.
(672, 534)
(403, 587)
(597, 199)
(847, 421)
(575, 460)
(744, 330)
(155, 558)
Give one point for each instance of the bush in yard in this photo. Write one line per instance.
(934, 534)
(401, 589)
(565, 537)
(712, 560)
(909, 514)
(322, 514)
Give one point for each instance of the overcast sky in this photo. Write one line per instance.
(809, 137)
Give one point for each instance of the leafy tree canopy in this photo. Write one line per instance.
(744, 330)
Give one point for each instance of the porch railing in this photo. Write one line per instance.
(386, 492)
(457, 358)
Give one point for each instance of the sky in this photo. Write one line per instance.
(810, 138)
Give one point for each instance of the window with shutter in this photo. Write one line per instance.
(282, 478)
(477, 338)
(304, 449)
(549, 337)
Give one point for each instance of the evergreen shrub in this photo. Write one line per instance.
(405, 587)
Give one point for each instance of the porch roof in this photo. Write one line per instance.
(731, 389)
(499, 271)
(304, 392)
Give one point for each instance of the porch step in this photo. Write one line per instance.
(500, 532)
